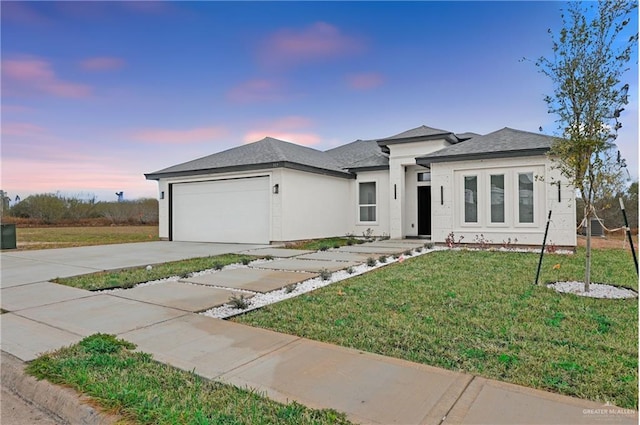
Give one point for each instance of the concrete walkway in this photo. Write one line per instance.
(369, 388)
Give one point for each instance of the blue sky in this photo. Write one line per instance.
(94, 94)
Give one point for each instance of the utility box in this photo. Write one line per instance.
(597, 229)
(8, 236)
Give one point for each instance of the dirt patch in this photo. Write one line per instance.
(617, 241)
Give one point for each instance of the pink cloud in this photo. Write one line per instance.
(21, 129)
(179, 137)
(316, 42)
(291, 129)
(102, 64)
(255, 91)
(365, 81)
(37, 75)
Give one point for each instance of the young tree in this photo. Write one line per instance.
(590, 56)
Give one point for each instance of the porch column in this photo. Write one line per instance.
(396, 207)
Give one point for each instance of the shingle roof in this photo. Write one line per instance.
(467, 135)
(502, 143)
(422, 131)
(360, 154)
(265, 153)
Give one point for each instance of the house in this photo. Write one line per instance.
(423, 182)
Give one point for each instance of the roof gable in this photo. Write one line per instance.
(502, 143)
(419, 134)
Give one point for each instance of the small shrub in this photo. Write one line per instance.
(450, 240)
(371, 262)
(368, 234)
(336, 245)
(218, 266)
(481, 241)
(324, 248)
(382, 259)
(325, 274)
(419, 249)
(407, 252)
(350, 270)
(349, 242)
(185, 275)
(429, 245)
(268, 257)
(290, 288)
(245, 261)
(239, 302)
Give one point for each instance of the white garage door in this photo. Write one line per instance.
(235, 210)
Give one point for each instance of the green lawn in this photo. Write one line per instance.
(478, 312)
(130, 277)
(146, 392)
(64, 237)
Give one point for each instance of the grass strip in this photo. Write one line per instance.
(479, 312)
(144, 391)
(323, 244)
(127, 278)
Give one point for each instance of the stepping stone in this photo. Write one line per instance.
(306, 265)
(251, 279)
(37, 294)
(277, 252)
(335, 256)
(182, 296)
(101, 313)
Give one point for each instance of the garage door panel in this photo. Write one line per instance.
(222, 211)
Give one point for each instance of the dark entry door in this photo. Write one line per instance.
(424, 210)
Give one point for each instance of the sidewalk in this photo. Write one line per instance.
(369, 388)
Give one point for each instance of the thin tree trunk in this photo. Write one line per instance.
(587, 269)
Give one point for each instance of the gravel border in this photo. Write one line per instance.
(596, 290)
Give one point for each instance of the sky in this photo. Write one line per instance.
(95, 94)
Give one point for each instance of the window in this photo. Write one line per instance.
(525, 197)
(424, 177)
(471, 199)
(497, 198)
(367, 201)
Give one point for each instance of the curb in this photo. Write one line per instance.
(61, 402)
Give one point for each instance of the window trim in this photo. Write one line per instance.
(359, 205)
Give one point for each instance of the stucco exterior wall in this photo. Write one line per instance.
(448, 209)
(383, 198)
(312, 206)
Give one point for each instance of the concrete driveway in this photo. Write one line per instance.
(24, 267)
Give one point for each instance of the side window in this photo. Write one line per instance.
(525, 197)
(367, 201)
(497, 198)
(471, 199)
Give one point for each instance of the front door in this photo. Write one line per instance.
(424, 210)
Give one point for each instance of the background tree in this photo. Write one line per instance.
(590, 56)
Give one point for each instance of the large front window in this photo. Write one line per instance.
(471, 199)
(525, 197)
(367, 201)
